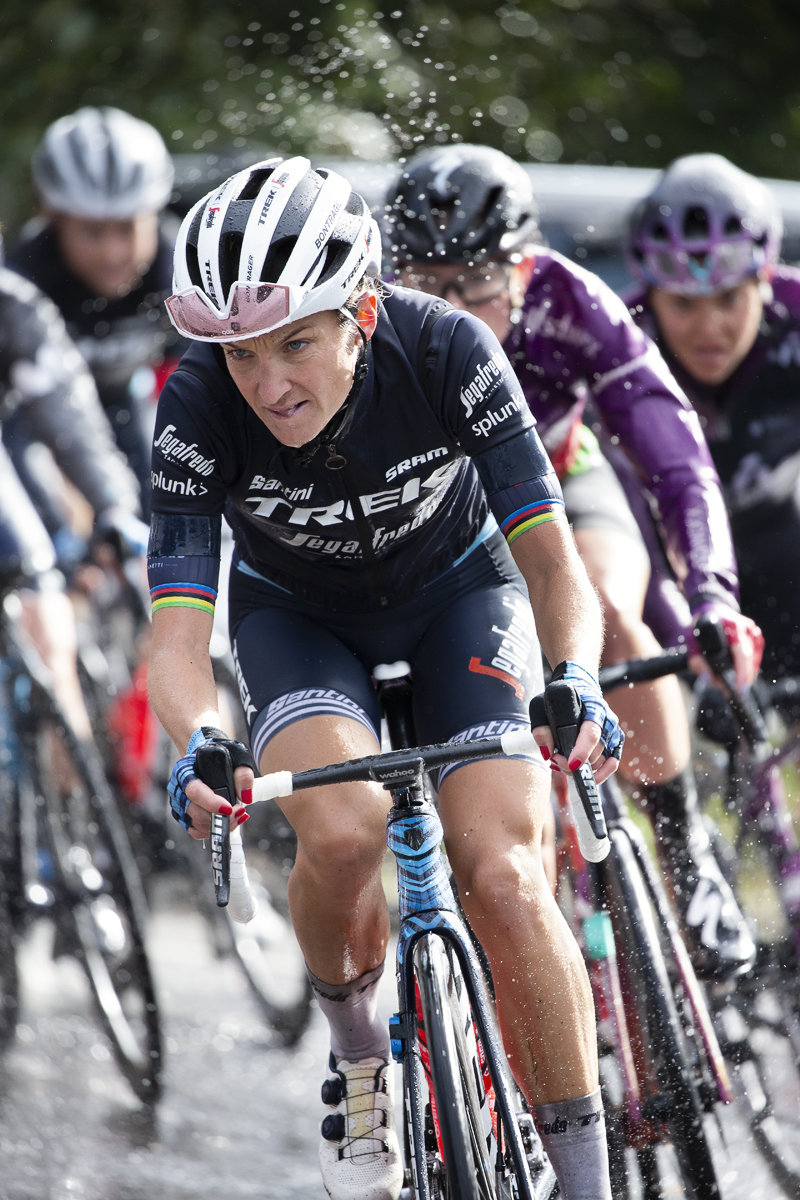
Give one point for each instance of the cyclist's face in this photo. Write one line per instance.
(110, 257)
(484, 289)
(710, 335)
(297, 378)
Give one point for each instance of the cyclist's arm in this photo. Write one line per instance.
(60, 400)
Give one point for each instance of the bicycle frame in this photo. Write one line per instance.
(427, 905)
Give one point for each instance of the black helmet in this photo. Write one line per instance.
(460, 203)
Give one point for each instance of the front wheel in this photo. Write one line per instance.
(461, 1171)
(666, 1066)
(100, 898)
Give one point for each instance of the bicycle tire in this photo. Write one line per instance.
(101, 900)
(458, 1117)
(651, 993)
(762, 1012)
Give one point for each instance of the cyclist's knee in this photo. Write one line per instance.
(494, 886)
(343, 847)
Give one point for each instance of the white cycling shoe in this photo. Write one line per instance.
(359, 1154)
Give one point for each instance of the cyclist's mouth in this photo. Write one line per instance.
(287, 412)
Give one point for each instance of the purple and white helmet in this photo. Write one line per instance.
(705, 227)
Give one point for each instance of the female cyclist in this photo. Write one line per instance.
(356, 481)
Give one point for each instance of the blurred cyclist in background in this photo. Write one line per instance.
(462, 223)
(104, 257)
(43, 378)
(705, 245)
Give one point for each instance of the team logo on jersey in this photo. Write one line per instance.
(178, 487)
(485, 382)
(486, 424)
(171, 447)
(561, 329)
(510, 662)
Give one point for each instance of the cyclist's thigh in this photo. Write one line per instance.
(478, 665)
(309, 702)
(291, 668)
(475, 673)
(608, 537)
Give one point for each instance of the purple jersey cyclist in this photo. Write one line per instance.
(463, 225)
(727, 319)
(704, 246)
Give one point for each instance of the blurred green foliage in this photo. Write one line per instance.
(599, 81)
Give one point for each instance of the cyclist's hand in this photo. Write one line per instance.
(192, 801)
(600, 739)
(746, 643)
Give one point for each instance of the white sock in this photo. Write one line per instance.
(573, 1133)
(352, 1013)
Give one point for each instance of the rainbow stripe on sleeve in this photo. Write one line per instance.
(183, 595)
(531, 515)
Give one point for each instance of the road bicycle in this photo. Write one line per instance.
(65, 856)
(112, 660)
(467, 1133)
(758, 1019)
(673, 1074)
(661, 1070)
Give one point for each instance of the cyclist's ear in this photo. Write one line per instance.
(367, 315)
(520, 277)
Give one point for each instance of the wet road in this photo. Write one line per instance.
(239, 1117)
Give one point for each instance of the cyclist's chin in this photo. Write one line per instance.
(296, 424)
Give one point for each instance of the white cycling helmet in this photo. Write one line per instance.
(102, 163)
(276, 242)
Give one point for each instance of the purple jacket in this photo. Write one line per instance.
(576, 342)
(752, 420)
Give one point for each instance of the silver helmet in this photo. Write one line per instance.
(102, 163)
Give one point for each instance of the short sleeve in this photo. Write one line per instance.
(474, 391)
(192, 452)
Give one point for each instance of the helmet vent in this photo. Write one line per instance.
(733, 226)
(255, 184)
(277, 258)
(660, 233)
(695, 224)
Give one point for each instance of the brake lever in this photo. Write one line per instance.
(563, 710)
(213, 766)
(714, 647)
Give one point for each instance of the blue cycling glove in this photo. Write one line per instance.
(587, 687)
(182, 774)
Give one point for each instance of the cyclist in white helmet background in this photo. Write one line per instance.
(462, 224)
(365, 509)
(104, 256)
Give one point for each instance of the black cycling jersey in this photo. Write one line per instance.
(382, 503)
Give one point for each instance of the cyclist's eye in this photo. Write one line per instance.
(297, 344)
(238, 355)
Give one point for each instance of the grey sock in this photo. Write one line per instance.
(352, 1012)
(573, 1133)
